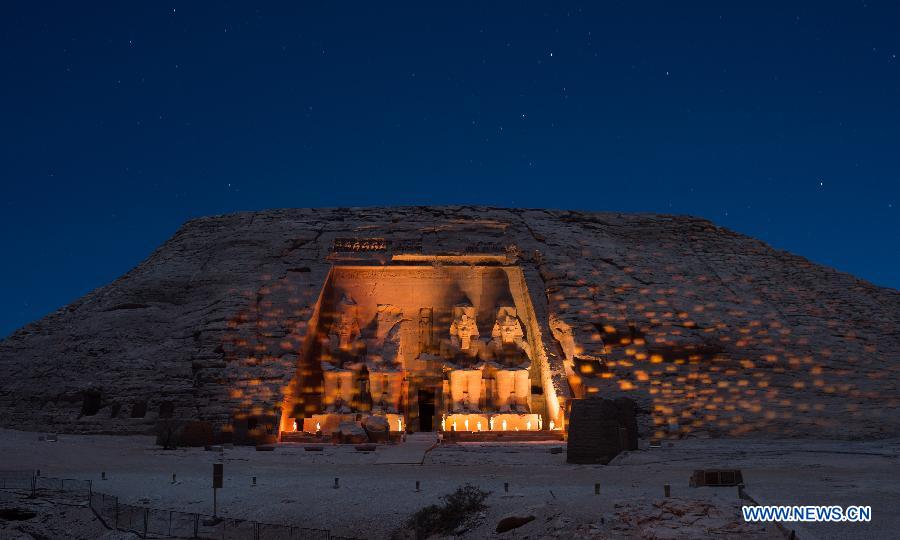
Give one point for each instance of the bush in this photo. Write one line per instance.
(446, 517)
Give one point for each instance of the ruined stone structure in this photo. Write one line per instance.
(253, 321)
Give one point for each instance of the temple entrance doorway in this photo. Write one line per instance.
(426, 410)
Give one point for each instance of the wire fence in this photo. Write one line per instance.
(154, 522)
(34, 483)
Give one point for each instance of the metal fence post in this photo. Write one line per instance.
(196, 525)
(170, 523)
(146, 511)
(117, 513)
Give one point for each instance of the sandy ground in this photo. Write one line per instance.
(55, 516)
(294, 486)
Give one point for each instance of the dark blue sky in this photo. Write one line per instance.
(122, 120)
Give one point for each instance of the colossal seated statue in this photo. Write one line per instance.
(383, 360)
(341, 352)
(463, 360)
(511, 359)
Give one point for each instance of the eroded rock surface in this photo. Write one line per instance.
(711, 332)
(684, 519)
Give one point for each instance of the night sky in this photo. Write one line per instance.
(120, 121)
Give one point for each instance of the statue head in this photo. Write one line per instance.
(507, 328)
(346, 325)
(464, 327)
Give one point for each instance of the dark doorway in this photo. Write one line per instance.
(426, 410)
(91, 402)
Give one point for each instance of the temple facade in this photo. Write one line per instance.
(448, 347)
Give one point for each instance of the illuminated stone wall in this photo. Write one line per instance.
(407, 291)
(711, 332)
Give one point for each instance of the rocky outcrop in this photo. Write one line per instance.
(709, 331)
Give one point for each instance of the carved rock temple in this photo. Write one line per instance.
(429, 344)
(471, 320)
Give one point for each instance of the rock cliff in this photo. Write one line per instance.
(711, 332)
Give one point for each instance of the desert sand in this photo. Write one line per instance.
(295, 486)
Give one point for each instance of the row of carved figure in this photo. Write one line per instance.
(463, 355)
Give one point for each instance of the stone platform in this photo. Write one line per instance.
(329, 422)
(300, 437)
(307, 438)
(503, 436)
(498, 422)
